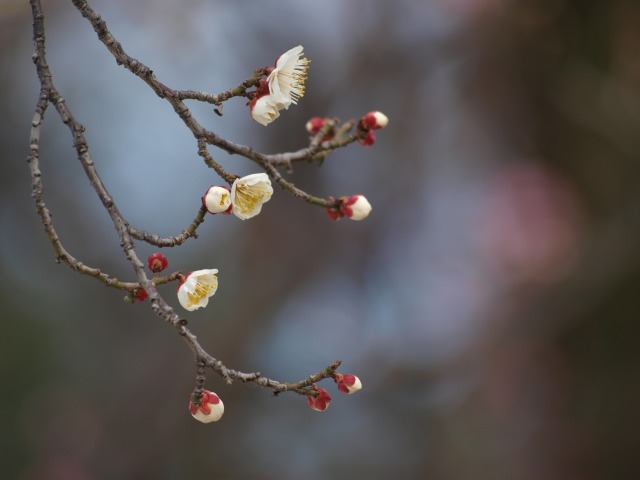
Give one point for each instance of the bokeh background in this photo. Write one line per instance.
(489, 303)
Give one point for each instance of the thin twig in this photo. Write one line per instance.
(49, 94)
(175, 97)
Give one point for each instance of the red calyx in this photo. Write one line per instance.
(157, 262)
(139, 295)
(368, 139)
(321, 401)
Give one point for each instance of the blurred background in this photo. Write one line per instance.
(489, 302)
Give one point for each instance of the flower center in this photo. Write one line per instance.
(249, 196)
(295, 79)
(201, 290)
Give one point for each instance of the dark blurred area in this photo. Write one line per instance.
(488, 303)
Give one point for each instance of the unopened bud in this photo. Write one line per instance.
(374, 120)
(321, 401)
(217, 200)
(347, 383)
(314, 125)
(210, 408)
(137, 295)
(157, 262)
(357, 207)
(368, 139)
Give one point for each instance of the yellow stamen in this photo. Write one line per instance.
(249, 196)
(201, 290)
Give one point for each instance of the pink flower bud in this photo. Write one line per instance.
(314, 125)
(217, 200)
(368, 139)
(347, 383)
(320, 402)
(157, 262)
(357, 207)
(374, 120)
(210, 408)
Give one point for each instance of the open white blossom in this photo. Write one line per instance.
(286, 81)
(265, 110)
(197, 287)
(249, 193)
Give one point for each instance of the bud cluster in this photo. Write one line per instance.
(316, 124)
(244, 200)
(346, 384)
(366, 125)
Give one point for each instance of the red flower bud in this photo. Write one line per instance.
(314, 125)
(320, 402)
(347, 383)
(368, 139)
(374, 121)
(334, 214)
(157, 262)
(139, 295)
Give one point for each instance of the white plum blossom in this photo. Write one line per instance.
(284, 85)
(217, 199)
(265, 110)
(249, 193)
(286, 80)
(197, 287)
(210, 408)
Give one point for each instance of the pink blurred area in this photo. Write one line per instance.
(533, 224)
(488, 303)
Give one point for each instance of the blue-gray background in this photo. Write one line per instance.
(489, 303)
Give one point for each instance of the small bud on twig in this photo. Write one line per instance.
(157, 262)
(321, 401)
(210, 408)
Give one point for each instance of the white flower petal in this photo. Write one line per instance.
(249, 193)
(265, 110)
(286, 81)
(195, 291)
(358, 208)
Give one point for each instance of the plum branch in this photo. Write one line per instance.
(244, 198)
